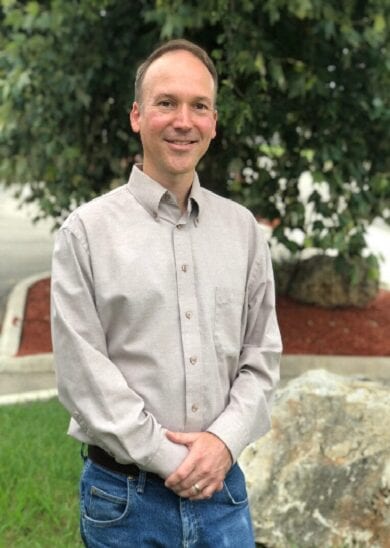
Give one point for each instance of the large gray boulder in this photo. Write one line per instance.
(321, 477)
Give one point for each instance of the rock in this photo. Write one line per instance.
(317, 281)
(321, 477)
(283, 273)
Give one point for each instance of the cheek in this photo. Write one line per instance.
(207, 127)
(157, 123)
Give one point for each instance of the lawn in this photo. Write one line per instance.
(39, 474)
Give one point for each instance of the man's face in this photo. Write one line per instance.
(176, 118)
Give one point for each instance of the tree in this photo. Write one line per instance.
(303, 89)
(66, 86)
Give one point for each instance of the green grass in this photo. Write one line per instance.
(39, 476)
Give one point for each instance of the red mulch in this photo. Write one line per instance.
(36, 336)
(306, 329)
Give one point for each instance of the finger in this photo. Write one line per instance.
(192, 484)
(186, 493)
(206, 493)
(199, 497)
(220, 486)
(181, 478)
(189, 494)
(183, 481)
(194, 491)
(183, 438)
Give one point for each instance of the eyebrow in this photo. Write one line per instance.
(200, 98)
(203, 98)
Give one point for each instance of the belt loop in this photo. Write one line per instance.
(141, 482)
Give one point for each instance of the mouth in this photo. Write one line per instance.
(180, 146)
(180, 142)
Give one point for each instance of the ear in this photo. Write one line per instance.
(215, 116)
(135, 115)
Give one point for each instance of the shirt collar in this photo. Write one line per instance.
(196, 198)
(149, 192)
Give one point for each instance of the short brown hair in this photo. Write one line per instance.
(173, 45)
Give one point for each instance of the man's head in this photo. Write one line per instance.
(175, 111)
(173, 45)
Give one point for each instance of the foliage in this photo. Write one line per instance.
(66, 79)
(303, 89)
(39, 476)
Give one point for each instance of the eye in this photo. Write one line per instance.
(201, 106)
(165, 103)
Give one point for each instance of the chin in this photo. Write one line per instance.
(182, 170)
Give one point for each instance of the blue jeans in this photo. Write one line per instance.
(125, 512)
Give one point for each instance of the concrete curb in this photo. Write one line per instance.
(34, 363)
(12, 332)
(26, 397)
(14, 314)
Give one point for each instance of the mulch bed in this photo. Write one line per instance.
(36, 336)
(306, 329)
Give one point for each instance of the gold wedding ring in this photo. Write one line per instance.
(196, 489)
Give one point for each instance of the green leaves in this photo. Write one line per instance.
(277, 74)
(303, 88)
(66, 75)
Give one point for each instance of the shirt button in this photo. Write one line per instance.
(194, 408)
(184, 267)
(188, 314)
(179, 227)
(193, 360)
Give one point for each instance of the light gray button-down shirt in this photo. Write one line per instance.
(163, 320)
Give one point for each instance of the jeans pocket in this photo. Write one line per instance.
(104, 506)
(105, 496)
(234, 487)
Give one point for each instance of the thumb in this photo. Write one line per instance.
(182, 438)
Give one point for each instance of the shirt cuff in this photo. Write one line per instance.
(235, 435)
(167, 458)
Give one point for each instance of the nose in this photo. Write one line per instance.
(183, 118)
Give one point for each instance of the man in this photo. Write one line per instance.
(164, 330)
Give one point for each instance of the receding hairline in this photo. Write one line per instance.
(169, 47)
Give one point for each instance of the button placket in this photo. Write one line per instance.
(190, 333)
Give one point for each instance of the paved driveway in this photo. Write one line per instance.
(25, 248)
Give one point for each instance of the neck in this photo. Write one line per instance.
(179, 185)
(181, 194)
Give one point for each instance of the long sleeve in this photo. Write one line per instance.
(93, 389)
(247, 415)
(163, 321)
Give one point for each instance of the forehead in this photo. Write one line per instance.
(177, 71)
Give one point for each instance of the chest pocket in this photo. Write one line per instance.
(227, 325)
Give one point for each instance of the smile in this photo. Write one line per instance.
(176, 142)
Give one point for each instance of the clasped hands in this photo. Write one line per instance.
(202, 472)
